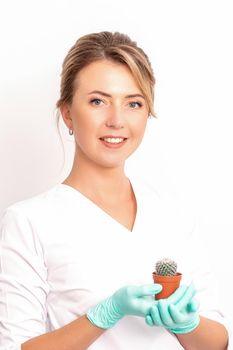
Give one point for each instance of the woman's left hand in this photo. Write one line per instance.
(178, 313)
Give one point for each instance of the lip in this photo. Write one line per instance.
(113, 145)
(113, 137)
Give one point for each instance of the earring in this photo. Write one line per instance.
(71, 132)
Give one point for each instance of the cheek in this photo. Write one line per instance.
(84, 123)
(140, 126)
(86, 132)
(87, 119)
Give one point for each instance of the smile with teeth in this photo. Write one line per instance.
(113, 139)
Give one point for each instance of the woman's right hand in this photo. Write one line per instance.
(129, 300)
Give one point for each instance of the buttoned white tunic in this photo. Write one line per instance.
(61, 254)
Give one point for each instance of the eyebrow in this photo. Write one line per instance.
(108, 95)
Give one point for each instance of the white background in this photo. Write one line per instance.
(187, 149)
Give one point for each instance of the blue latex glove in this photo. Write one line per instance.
(178, 313)
(129, 300)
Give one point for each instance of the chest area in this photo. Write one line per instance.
(94, 252)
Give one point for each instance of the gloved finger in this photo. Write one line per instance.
(164, 313)
(187, 297)
(177, 295)
(144, 304)
(149, 320)
(146, 290)
(193, 306)
(177, 317)
(155, 316)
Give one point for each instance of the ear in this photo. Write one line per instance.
(66, 115)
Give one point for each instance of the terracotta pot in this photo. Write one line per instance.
(169, 284)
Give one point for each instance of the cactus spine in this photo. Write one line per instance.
(166, 267)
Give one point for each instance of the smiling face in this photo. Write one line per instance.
(108, 114)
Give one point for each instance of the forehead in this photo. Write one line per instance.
(107, 76)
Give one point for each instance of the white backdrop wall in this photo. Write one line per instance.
(188, 147)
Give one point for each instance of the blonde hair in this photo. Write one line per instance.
(113, 46)
(116, 47)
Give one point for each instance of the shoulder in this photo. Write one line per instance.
(38, 209)
(154, 192)
(37, 219)
(165, 207)
(34, 203)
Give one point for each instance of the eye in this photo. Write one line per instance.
(96, 101)
(135, 104)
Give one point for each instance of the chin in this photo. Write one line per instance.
(111, 165)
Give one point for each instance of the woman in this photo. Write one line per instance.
(76, 261)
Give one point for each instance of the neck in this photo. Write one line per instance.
(95, 181)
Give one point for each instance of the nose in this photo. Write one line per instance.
(115, 118)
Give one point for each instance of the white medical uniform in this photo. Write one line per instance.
(61, 254)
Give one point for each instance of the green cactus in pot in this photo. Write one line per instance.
(166, 274)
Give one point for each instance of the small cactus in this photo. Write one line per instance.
(166, 267)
